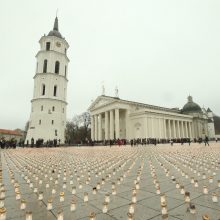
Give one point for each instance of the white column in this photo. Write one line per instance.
(190, 130)
(117, 134)
(190, 124)
(160, 129)
(183, 133)
(174, 129)
(106, 126)
(92, 127)
(178, 129)
(146, 128)
(152, 127)
(169, 129)
(111, 124)
(186, 129)
(127, 135)
(165, 128)
(100, 127)
(96, 127)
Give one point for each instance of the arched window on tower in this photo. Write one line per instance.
(43, 89)
(57, 67)
(55, 91)
(45, 66)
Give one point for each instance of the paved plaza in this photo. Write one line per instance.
(117, 183)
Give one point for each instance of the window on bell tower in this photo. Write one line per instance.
(48, 46)
(57, 67)
(45, 66)
(43, 89)
(55, 91)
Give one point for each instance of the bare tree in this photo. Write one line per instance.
(86, 123)
(78, 129)
(70, 131)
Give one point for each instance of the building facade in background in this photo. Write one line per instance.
(9, 135)
(113, 118)
(48, 106)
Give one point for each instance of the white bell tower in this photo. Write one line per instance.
(48, 112)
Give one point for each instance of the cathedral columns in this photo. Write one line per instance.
(169, 129)
(183, 133)
(152, 127)
(165, 128)
(117, 123)
(106, 126)
(174, 129)
(111, 124)
(186, 129)
(190, 127)
(92, 127)
(127, 125)
(160, 129)
(177, 129)
(100, 127)
(190, 135)
(96, 127)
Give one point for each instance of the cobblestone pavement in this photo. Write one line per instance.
(114, 183)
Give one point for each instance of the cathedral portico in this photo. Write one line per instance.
(109, 124)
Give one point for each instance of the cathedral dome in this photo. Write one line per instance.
(55, 32)
(191, 107)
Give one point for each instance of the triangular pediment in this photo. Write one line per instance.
(101, 101)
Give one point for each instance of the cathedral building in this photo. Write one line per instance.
(113, 118)
(48, 111)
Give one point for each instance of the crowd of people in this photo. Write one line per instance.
(120, 142)
(12, 143)
(148, 141)
(41, 143)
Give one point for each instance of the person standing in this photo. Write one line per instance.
(206, 141)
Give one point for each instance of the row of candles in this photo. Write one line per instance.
(49, 204)
(195, 182)
(2, 194)
(105, 204)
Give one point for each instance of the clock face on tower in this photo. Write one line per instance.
(58, 44)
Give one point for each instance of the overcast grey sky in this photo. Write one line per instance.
(157, 52)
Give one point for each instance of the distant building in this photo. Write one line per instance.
(213, 124)
(113, 118)
(10, 134)
(48, 111)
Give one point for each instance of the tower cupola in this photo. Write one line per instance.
(55, 32)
